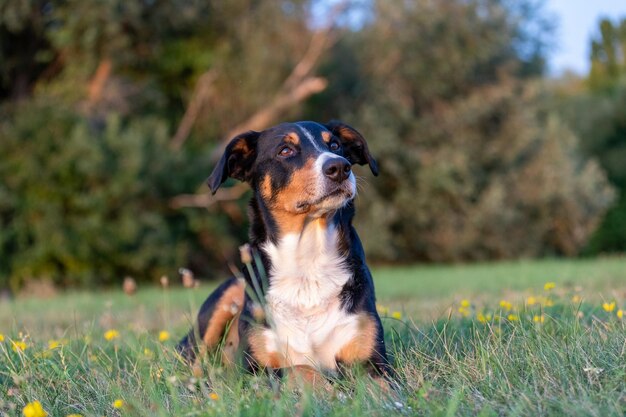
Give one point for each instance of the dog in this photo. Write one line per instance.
(314, 310)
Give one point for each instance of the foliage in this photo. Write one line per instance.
(608, 55)
(473, 166)
(90, 203)
(474, 163)
(595, 112)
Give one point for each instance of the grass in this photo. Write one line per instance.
(457, 349)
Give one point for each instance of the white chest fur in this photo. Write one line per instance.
(307, 324)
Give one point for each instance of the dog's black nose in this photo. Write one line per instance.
(337, 169)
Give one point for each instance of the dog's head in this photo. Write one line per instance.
(297, 168)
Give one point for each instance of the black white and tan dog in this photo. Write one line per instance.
(319, 303)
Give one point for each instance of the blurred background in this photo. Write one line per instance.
(499, 127)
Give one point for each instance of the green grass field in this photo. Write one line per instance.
(484, 339)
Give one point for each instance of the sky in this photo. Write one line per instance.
(577, 21)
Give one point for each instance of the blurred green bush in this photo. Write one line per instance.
(84, 203)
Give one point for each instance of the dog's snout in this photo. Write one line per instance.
(337, 169)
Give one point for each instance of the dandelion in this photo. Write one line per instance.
(382, 309)
(164, 335)
(548, 302)
(620, 314)
(531, 301)
(512, 317)
(53, 344)
(214, 396)
(549, 286)
(111, 334)
(34, 409)
(119, 403)
(506, 305)
(396, 315)
(609, 307)
(577, 299)
(148, 353)
(18, 346)
(465, 303)
(481, 318)
(539, 318)
(1, 338)
(464, 311)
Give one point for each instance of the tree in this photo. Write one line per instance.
(473, 166)
(595, 112)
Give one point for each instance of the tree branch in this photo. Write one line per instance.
(201, 92)
(98, 81)
(205, 200)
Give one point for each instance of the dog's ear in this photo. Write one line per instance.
(354, 145)
(237, 160)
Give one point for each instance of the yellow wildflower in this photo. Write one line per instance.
(539, 318)
(34, 409)
(465, 303)
(620, 314)
(111, 334)
(1, 338)
(464, 311)
(577, 299)
(118, 403)
(506, 305)
(164, 335)
(148, 353)
(549, 286)
(481, 318)
(214, 396)
(18, 346)
(531, 301)
(53, 344)
(382, 309)
(608, 307)
(548, 302)
(513, 317)
(396, 315)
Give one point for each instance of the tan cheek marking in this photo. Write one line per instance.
(258, 348)
(266, 187)
(286, 199)
(360, 348)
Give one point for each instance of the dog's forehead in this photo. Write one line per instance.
(304, 134)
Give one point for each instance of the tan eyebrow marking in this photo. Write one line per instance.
(326, 136)
(293, 138)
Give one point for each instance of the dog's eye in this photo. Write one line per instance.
(334, 146)
(286, 151)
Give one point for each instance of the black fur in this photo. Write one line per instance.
(250, 157)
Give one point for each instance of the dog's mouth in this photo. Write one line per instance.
(305, 206)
